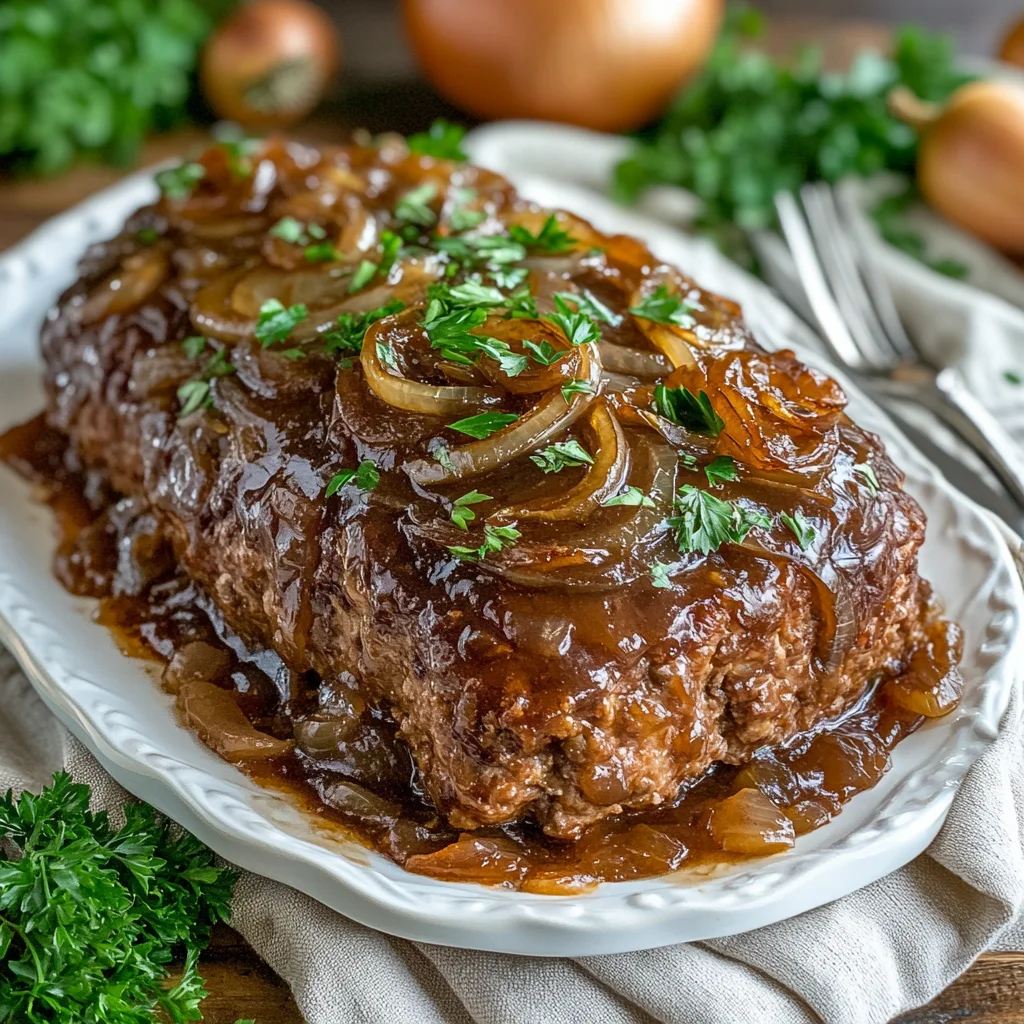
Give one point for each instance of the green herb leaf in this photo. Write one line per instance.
(462, 218)
(443, 457)
(277, 321)
(474, 292)
(366, 477)
(801, 529)
(562, 454)
(631, 496)
(483, 424)
(576, 387)
(462, 514)
(720, 469)
(352, 327)
(578, 328)
(91, 916)
(551, 237)
(1012, 377)
(704, 523)
(322, 252)
(193, 395)
(511, 363)
(386, 354)
(867, 474)
(508, 277)
(496, 538)
(194, 346)
(147, 235)
(588, 303)
(443, 141)
(544, 352)
(180, 182)
(663, 308)
(694, 412)
(288, 229)
(661, 576)
(414, 206)
(365, 273)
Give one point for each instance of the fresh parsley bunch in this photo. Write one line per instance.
(91, 917)
(93, 77)
(751, 126)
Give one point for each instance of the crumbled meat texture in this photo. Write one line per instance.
(559, 705)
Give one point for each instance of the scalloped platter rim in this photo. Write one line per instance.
(115, 706)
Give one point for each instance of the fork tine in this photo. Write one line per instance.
(840, 262)
(874, 279)
(812, 277)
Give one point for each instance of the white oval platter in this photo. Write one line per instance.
(116, 707)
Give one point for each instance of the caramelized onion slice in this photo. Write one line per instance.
(127, 287)
(673, 341)
(550, 416)
(642, 365)
(603, 479)
(213, 713)
(749, 823)
(412, 396)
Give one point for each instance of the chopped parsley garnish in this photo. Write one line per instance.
(543, 352)
(801, 529)
(443, 457)
(414, 206)
(510, 363)
(1010, 376)
(562, 454)
(366, 477)
(449, 331)
(663, 308)
(352, 327)
(509, 277)
(322, 252)
(721, 469)
(194, 346)
(688, 460)
(576, 387)
(292, 353)
(277, 321)
(496, 538)
(462, 218)
(493, 250)
(578, 328)
(195, 394)
(386, 354)
(180, 182)
(551, 237)
(586, 302)
(288, 229)
(474, 292)
(704, 523)
(661, 575)
(391, 246)
(694, 412)
(147, 235)
(867, 474)
(630, 496)
(483, 424)
(462, 514)
(443, 141)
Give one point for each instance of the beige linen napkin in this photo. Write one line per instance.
(861, 960)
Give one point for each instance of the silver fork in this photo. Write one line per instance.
(855, 309)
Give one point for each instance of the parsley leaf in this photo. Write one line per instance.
(496, 538)
(492, 250)
(801, 529)
(1012, 377)
(180, 182)
(391, 246)
(90, 915)
(720, 469)
(704, 523)
(196, 394)
(474, 292)
(576, 387)
(551, 237)
(660, 575)
(578, 328)
(365, 273)
(694, 412)
(588, 303)
(193, 394)
(867, 474)
(277, 321)
(366, 477)
(562, 454)
(147, 235)
(663, 308)
(194, 346)
(322, 252)
(484, 424)
(462, 514)
(631, 496)
(443, 141)
(544, 352)
(386, 354)
(414, 206)
(352, 327)
(288, 229)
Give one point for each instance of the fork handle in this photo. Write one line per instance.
(947, 395)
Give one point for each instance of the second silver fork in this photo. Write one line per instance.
(856, 312)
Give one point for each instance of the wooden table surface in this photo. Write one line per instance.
(240, 984)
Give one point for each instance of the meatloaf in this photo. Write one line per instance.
(523, 486)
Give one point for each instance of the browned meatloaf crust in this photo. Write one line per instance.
(553, 679)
